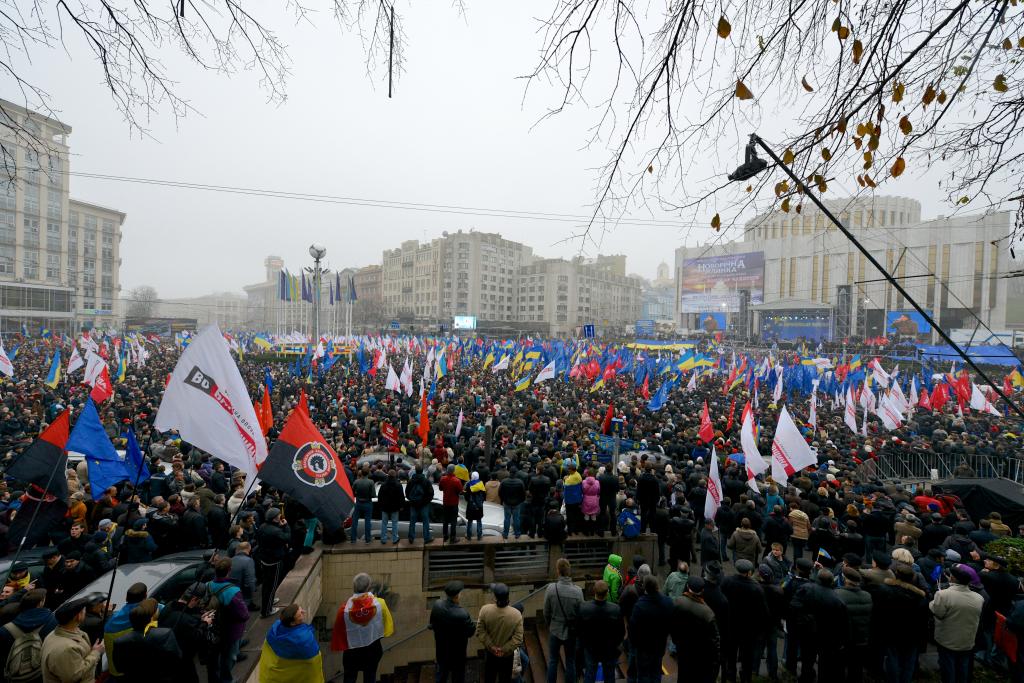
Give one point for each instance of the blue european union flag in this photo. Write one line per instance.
(90, 439)
(134, 460)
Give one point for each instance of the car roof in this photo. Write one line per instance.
(151, 573)
(30, 557)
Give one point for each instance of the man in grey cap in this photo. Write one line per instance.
(452, 628)
(67, 656)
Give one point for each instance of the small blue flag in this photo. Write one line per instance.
(134, 460)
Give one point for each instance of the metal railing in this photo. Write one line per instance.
(914, 465)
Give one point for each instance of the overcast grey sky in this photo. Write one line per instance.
(457, 132)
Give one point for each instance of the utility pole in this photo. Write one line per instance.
(318, 252)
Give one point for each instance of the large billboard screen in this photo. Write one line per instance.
(465, 322)
(907, 323)
(808, 325)
(709, 282)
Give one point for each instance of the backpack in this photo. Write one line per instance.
(215, 633)
(24, 661)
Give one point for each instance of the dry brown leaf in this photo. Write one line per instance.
(826, 154)
(841, 125)
(843, 32)
(858, 51)
(716, 222)
(1020, 43)
(873, 143)
(750, 188)
(1007, 44)
(799, 207)
(807, 86)
(869, 181)
(905, 125)
(743, 92)
(836, 25)
(941, 98)
(857, 142)
(965, 200)
(650, 169)
(724, 27)
(898, 167)
(929, 95)
(788, 157)
(785, 205)
(897, 92)
(1000, 84)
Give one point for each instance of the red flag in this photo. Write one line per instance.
(265, 413)
(939, 397)
(102, 389)
(1007, 386)
(424, 428)
(707, 432)
(303, 404)
(924, 400)
(646, 392)
(606, 426)
(732, 411)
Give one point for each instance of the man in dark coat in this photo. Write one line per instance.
(272, 540)
(858, 619)
(218, 522)
(184, 618)
(695, 633)
(452, 628)
(601, 631)
(748, 611)
(193, 527)
(822, 614)
(648, 630)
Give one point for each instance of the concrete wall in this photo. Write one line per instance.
(405, 588)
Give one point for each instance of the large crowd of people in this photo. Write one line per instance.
(834, 574)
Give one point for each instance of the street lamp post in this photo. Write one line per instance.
(317, 251)
(752, 165)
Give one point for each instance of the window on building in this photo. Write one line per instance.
(30, 269)
(826, 284)
(31, 231)
(7, 259)
(7, 230)
(53, 235)
(53, 266)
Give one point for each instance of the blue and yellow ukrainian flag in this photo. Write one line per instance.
(122, 367)
(53, 377)
(524, 383)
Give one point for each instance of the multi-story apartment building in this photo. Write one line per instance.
(59, 257)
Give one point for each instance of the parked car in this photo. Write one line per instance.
(166, 577)
(33, 557)
(402, 462)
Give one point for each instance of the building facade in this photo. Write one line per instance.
(799, 271)
(229, 310)
(268, 312)
(462, 273)
(59, 257)
(557, 297)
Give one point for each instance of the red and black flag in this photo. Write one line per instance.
(44, 462)
(302, 465)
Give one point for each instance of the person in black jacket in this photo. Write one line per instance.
(601, 631)
(147, 655)
(934, 534)
(858, 618)
(390, 499)
(218, 482)
(748, 612)
(609, 489)
(539, 486)
(184, 618)
(218, 521)
(821, 612)
(648, 490)
(272, 540)
(775, 598)
(193, 527)
(648, 630)
(452, 628)
(419, 492)
(695, 632)
(512, 494)
(680, 535)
